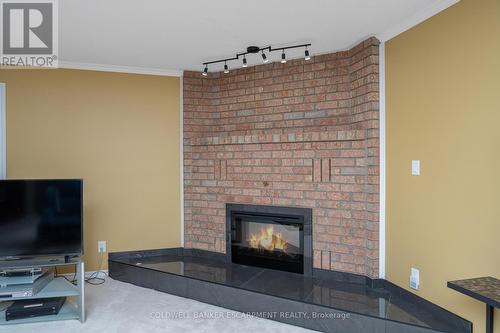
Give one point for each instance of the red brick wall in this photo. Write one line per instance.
(304, 133)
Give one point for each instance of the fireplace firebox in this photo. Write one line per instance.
(270, 237)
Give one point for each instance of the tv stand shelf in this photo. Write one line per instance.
(73, 308)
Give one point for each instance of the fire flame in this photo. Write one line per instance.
(268, 240)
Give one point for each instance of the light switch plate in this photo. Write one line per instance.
(415, 168)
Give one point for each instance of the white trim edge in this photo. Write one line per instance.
(415, 19)
(181, 158)
(119, 69)
(382, 133)
(3, 132)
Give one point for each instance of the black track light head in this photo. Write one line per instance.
(307, 56)
(264, 57)
(245, 62)
(226, 69)
(283, 57)
(205, 71)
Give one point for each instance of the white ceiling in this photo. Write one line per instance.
(163, 35)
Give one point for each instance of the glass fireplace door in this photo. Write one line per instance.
(267, 241)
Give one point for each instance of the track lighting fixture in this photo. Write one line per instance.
(264, 58)
(283, 57)
(307, 56)
(256, 49)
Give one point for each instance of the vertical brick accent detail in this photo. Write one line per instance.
(217, 169)
(322, 170)
(220, 170)
(317, 170)
(304, 133)
(223, 170)
(325, 170)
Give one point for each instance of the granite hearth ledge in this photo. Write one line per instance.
(328, 301)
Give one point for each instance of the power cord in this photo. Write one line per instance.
(93, 279)
(72, 281)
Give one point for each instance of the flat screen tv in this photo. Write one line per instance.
(41, 218)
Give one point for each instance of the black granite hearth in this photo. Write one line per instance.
(326, 301)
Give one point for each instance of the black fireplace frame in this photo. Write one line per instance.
(306, 220)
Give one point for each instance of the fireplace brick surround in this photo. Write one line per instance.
(300, 134)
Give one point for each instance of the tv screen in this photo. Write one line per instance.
(40, 217)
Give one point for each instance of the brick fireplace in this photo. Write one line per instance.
(300, 134)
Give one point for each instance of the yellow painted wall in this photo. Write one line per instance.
(443, 107)
(119, 132)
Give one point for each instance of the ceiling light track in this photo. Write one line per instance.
(253, 50)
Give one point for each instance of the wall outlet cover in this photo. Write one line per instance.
(101, 246)
(414, 278)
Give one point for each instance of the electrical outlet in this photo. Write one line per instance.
(414, 278)
(101, 246)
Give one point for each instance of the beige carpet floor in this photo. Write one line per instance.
(121, 307)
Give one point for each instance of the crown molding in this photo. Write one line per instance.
(119, 69)
(415, 19)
